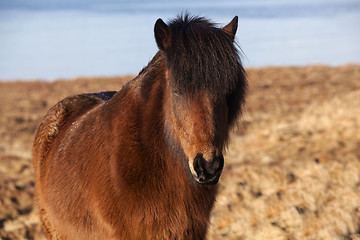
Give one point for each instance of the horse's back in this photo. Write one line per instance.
(59, 117)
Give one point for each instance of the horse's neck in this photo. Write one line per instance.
(151, 88)
(141, 111)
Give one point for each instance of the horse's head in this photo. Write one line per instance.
(205, 88)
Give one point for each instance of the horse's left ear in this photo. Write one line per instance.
(162, 34)
(231, 27)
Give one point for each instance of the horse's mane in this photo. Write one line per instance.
(202, 57)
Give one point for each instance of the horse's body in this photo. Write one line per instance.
(141, 163)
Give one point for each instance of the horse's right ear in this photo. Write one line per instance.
(162, 34)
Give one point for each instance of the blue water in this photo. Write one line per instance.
(52, 39)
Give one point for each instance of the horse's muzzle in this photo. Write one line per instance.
(208, 172)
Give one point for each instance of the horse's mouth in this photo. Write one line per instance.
(212, 181)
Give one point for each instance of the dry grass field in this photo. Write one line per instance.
(292, 167)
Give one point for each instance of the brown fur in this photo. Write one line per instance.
(119, 167)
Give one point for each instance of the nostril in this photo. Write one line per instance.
(218, 161)
(198, 166)
(215, 165)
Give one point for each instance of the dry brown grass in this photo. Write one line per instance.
(292, 168)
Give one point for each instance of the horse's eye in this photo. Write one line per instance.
(176, 93)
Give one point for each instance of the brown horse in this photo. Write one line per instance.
(143, 163)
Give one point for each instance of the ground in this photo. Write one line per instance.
(292, 168)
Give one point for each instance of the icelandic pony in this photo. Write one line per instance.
(143, 162)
